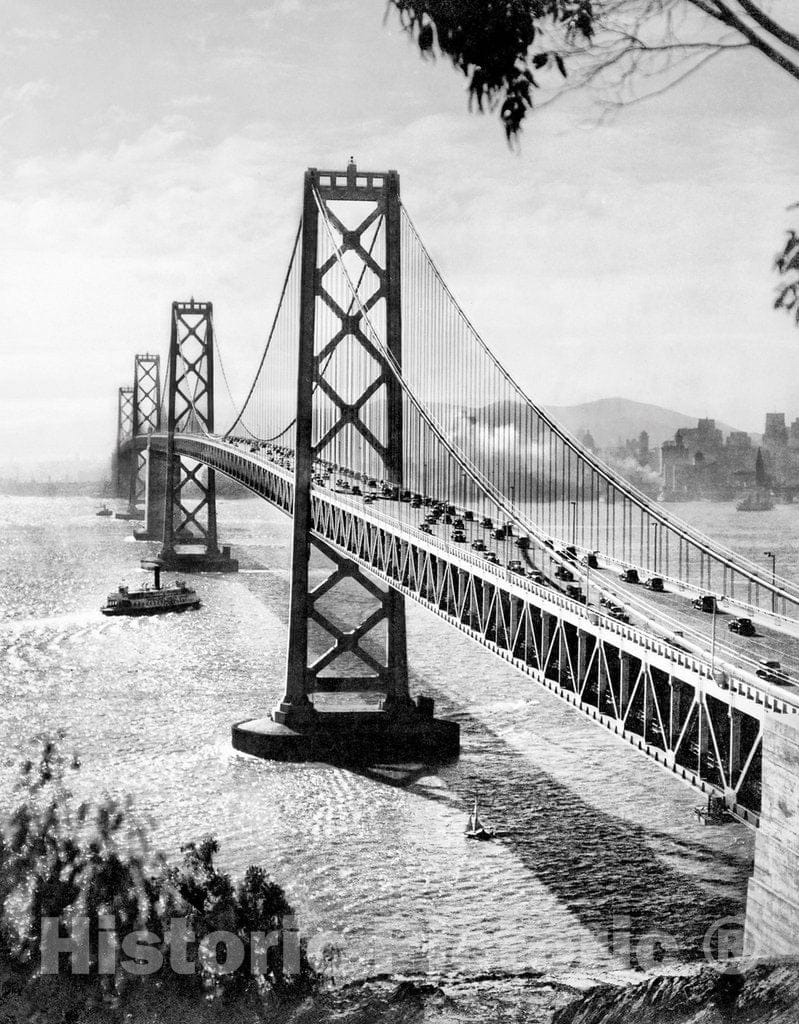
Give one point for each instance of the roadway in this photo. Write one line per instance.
(669, 615)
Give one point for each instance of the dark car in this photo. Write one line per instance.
(516, 566)
(772, 672)
(705, 603)
(590, 560)
(468, 515)
(655, 583)
(630, 576)
(425, 528)
(458, 524)
(447, 518)
(478, 545)
(459, 536)
(562, 573)
(617, 612)
(487, 522)
(523, 542)
(498, 533)
(491, 557)
(356, 490)
(575, 593)
(745, 627)
(570, 552)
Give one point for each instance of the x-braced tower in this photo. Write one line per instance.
(146, 418)
(123, 461)
(190, 488)
(372, 415)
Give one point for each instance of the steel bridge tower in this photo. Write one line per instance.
(189, 489)
(122, 459)
(299, 725)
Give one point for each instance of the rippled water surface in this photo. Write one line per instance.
(589, 829)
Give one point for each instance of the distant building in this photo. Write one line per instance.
(699, 463)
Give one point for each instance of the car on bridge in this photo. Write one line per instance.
(590, 560)
(425, 527)
(574, 592)
(772, 672)
(355, 489)
(655, 583)
(562, 573)
(458, 536)
(516, 566)
(615, 611)
(705, 603)
(629, 576)
(459, 524)
(478, 545)
(744, 627)
(523, 542)
(369, 499)
(570, 552)
(498, 533)
(487, 522)
(491, 556)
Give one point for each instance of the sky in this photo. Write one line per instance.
(154, 151)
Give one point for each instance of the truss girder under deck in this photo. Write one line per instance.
(664, 702)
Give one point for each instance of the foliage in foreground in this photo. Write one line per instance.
(59, 859)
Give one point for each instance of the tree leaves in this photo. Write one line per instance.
(491, 44)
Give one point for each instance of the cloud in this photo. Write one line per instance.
(29, 92)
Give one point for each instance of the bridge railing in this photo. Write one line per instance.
(738, 680)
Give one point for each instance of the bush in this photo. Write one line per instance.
(92, 868)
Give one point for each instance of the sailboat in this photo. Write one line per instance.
(475, 829)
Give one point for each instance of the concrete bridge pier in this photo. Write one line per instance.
(772, 905)
(154, 496)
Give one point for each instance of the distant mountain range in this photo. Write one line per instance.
(614, 420)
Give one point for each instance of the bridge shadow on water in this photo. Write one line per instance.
(598, 865)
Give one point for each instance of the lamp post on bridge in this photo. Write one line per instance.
(773, 557)
(574, 522)
(656, 528)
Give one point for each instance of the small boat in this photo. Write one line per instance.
(475, 829)
(104, 511)
(151, 600)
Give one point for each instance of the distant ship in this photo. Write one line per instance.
(151, 600)
(758, 501)
(104, 511)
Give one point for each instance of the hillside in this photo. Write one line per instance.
(611, 420)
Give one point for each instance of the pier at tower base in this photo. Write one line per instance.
(772, 903)
(402, 734)
(199, 561)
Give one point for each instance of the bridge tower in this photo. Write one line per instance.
(189, 489)
(309, 720)
(145, 418)
(122, 461)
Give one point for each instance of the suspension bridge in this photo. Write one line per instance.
(413, 464)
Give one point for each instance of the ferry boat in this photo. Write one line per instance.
(151, 600)
(104, 511)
